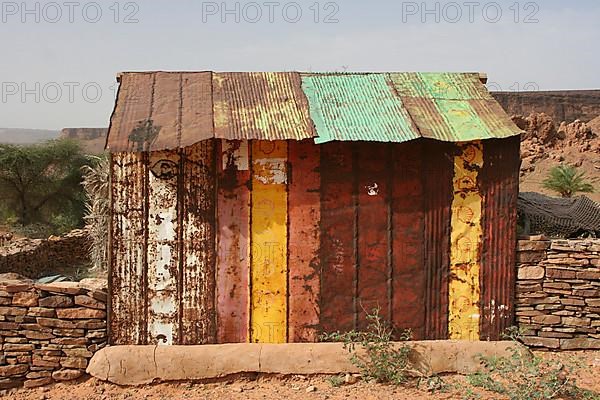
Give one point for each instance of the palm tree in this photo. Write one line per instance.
(565, 180)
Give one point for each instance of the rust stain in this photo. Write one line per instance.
(304, 241)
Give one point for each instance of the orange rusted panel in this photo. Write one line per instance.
(338, 235)
(197, 214)
(233, 227)
(374, 230)
(127, 316)
(409, 274)
(304, 239)
(500, 188)
(163, 247)
(269, 242)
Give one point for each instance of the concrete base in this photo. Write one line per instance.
(138, 365)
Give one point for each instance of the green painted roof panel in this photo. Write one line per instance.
(357, 107)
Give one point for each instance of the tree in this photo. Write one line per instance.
(42, 183)
(565, 180)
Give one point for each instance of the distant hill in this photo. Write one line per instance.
(26, 136)
(92, 139)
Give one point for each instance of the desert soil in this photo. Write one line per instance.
(289, 388)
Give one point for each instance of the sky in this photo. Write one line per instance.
(59, 60)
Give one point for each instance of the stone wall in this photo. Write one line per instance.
(49, 332)
(558, 293)
(35, 258)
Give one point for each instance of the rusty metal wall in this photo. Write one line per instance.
(233, 241)
(407, 216)
(437, 198)
(197, 210)
(500, 188)
(127, 278)
(304, 210)
(336, 230)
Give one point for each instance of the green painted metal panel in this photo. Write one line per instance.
(357, 107)
(453, 107)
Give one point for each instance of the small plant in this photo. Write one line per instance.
(336, 380)
(374, 353)
(525, 376)
(565, 180)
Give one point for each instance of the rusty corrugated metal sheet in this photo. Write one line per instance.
(233, 238)
(351, 107)
(339, 231)
(500, 188)
(374, 180)
(127, 316)
(437, 199)
(260, 105)
(409, 276)
(304, 215)
(161, 110)
(466, 243)
(164, 252)
(453, 107)
(167, 110)
(268, 232)
(197, 211)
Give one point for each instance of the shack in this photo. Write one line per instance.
(271, 207)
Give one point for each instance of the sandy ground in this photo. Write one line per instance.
(289, 388)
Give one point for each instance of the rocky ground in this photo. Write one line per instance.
(292, 388)
(546, 145)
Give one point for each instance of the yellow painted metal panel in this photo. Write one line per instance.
(465, 240)
(269, 242)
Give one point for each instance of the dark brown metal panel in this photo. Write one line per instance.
(304, 215)
(128, 249)
(167, 111)
(233, 241)
(338, 234)
(409, 276)
(437, 199)
(196, 108)
(500, 188)
(133, 108)
(198, 198)
(374, 227)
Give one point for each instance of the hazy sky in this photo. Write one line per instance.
(53, 69)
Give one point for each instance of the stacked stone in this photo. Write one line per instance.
(49, 332)
(558, 293)
(35, 258)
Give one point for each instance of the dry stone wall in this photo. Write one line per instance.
(35, 258)
(558, 293)
(49, 332)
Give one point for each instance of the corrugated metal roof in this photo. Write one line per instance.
(260, 105)
(166, 110)
(357, 107)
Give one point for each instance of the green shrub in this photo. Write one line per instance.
(526, 376)
(380, 359)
